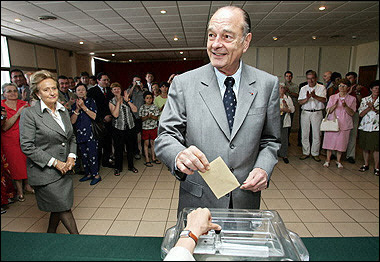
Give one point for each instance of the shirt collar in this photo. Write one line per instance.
(222, 77)
(58, 106)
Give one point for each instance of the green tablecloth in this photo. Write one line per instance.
(58, 247)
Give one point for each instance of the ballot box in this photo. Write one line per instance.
(246, 235)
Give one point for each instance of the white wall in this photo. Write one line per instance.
(342, 59)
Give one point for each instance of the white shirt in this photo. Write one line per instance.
(220, 77)
(179, 254)
(312, 104)
(149, 86)
(57, 117)
(289, 102)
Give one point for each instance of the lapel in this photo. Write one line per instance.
(210, 94)
(48, 120)
(247, 93)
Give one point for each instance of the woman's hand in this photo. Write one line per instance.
(61, 166)
(21, 108)
(126, 96)
(80, 103)
(70, 163)
(199, 222)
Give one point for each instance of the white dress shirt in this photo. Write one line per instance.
(57, 117)
(220, 77)
(179, 254)
(312, 104)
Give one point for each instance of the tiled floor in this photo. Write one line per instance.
(312, 200)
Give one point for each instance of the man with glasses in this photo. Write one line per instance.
(312, 98)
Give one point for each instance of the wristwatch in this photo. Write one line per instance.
(188, 233)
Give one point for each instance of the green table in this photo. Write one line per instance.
(58, 247)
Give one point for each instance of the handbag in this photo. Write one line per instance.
(329, 125)
(98, 129)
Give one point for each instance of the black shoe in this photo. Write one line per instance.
(116, 172)
(316, 158)
(108, 165)
(303, 157)
(351, 160)
(363, 168)
(3, 211)
(133, 169)
(377, 172)
(285, 160)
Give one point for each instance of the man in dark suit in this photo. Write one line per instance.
(102, 94)
(18, 78)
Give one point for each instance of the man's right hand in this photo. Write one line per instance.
(192, 159)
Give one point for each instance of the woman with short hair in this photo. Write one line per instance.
(47, 139)
(369, 127)
(10, 142)
(343, 106)
(82, 114)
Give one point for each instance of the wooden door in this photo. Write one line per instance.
(367, 74)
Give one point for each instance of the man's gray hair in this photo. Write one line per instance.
(247, 19)
(7, 84)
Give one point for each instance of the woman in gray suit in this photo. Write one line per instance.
(48, 141)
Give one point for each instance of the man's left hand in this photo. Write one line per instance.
(256, 181)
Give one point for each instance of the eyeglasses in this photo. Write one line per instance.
(342, 86)
(10, 91)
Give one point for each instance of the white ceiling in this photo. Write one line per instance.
(137, 30)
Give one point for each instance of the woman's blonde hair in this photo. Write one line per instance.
(36, 78)
(115, 84)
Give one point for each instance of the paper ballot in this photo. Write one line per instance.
(219, 178)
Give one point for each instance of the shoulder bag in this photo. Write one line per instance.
(329, 125)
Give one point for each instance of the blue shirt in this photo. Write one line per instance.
(83, 126)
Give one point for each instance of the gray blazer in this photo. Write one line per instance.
(194, 114)
(41, 138)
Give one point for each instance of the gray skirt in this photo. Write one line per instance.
(57, 196)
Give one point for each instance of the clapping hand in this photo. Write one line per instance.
(80, 103)
(313, 94)
(126, 96)
(308, 95)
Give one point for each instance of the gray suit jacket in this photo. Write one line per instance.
(41, 138)
(194, 114)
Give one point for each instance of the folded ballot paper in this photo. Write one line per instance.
(219, 178)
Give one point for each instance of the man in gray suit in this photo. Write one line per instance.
(199, 122)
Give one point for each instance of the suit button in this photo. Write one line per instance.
(63, 144)
(232, 146)
(231, 169)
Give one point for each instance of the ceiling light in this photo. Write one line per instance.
(314, 37)
(81, 43)
(354, 37)
(321, 8)
(163, 11)
(113, 54)
(181, 53)
(92, 53)
(275, 38)
(17, 19)
(130, 60)
(175, 38)
(47, 17)
(184, 58)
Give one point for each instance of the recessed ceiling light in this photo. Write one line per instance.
(47, 17)
(92, 53)
(17, 19)
(181, 53)
(354, 37)
(81, 43)
(175, 38)
(321, 8)
(130, 60)
(275, 38)
(113, 54)
(184, 58)
(314, 37)
(163, 11)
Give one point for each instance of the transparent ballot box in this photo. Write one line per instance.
(246, 235)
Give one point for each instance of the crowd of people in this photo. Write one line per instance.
(355, 107)
(131, 117)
